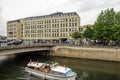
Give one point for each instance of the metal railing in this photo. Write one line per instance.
(4, 45)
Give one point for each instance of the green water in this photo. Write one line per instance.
(12, 68)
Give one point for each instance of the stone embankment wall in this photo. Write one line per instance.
(110, 54)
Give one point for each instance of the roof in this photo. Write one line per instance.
(36, 64)
(44, 16)
(13, 21)
(51, 15)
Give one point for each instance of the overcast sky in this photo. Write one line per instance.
(88, 10)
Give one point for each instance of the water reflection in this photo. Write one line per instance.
(13, 68)
(93, 70)
(2, 58)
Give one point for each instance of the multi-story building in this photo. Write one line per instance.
(14, 30)
(54, 27)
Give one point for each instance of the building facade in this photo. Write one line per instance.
(56, 27)
(14, 30)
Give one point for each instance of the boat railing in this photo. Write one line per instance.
(54, 65)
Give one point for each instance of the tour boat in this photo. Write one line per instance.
(50, 71)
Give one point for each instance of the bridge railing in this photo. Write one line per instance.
(25, 46)
(52, 44)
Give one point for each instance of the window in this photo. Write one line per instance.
(75, 19)
(14, 24)
(14, 28)
(75, 24)
(52, 25)
(66, 19)
(27, 32)
(57, 25)
(60, 25)
(66, 29)
(69, 24)
(70, 19)
(66, 24)
(63, 25)
(15, 32)
(72, 24)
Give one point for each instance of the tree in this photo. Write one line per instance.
(117, 19)
(104, 25)
(116, 28)
(88, 33)
(115, 33)
(76, 35)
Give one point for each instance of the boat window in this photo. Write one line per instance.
(35, 68)
(53, 72)
(61, 73)
(31, 67)
(68, 72)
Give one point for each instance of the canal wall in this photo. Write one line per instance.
(110, 54)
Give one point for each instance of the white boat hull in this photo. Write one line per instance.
(49, 76)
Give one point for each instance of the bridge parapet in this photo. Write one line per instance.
(19, 49)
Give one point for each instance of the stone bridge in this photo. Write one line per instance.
(19, 49)
(109, 54)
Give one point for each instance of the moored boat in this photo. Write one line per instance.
(50, 71)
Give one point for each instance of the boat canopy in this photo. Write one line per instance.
(34, 64)
(61, 69)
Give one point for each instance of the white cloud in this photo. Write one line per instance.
(87, 9)
(2, 24)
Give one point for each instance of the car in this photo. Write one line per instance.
(117, 43)
(44, 42)
(41, 42)
(35, 41)
(65, 42)
(3, 41)
(15, 42)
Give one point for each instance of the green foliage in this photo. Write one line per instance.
(88, 33)
(76, 35)
(107, 26)
(117, 19)
(116, 33)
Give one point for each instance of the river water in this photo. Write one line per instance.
(12, 67)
